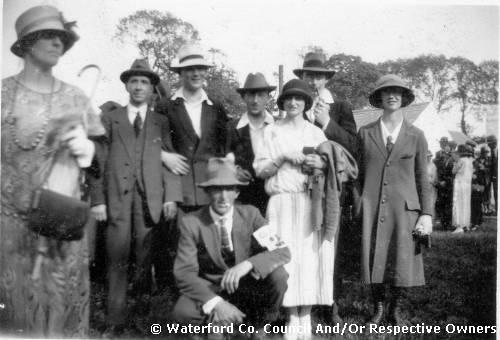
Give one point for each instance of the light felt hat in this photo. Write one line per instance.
(221, 171)
(189, 55)
(43, 18)
(255, 82)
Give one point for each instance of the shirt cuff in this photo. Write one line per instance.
(210, 304)
(326, 125)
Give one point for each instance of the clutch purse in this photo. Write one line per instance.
(57, 216)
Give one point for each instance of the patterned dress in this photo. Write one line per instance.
(44, 283)
(310, 270)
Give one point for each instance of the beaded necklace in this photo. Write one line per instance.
(11, 120)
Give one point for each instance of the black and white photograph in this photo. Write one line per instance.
(250, 170)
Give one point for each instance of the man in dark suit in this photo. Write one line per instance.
(198, 126)
(336, 120)
(229, 265)
(136, 189)
(444, 200)
(245, 136)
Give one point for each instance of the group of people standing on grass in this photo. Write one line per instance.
(464, 184)
(255, 207)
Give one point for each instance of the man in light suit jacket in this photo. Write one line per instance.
(222, 268)
(136, 192)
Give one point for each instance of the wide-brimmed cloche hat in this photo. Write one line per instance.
(43, 18)
(189, 55)
(296, 87)
(221, 171)
(314, 63)
(140, 67)
(255, 82)
(391, 80)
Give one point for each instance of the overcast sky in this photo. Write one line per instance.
(259, 35)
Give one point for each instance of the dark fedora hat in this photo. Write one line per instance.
(296, 87)
(255, 82)
(43, 19)
(390, 80)
(314, 63)
(221, 171)
(140, 67)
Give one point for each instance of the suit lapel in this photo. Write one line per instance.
(401, 141)
(206, 117)
(238, 237)
(185, 120)
(211, 237)
(246, 141)
(151, 130)
(125, 130)
(376, 135)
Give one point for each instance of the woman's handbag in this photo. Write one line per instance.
(57, 216)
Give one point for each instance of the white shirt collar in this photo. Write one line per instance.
(204, 97)
(394, 135)
(132, 112)
(244, 121)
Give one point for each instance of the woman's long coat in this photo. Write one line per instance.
(395, 192)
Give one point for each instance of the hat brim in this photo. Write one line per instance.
(295, 92)
(221, 182)
(155, 79)
(68, 37)
(328, 73)
(190, 63)
(243, 90)
(375, 97)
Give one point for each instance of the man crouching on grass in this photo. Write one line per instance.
(229, 265)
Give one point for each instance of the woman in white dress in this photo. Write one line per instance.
(282, 162)
(462, 189)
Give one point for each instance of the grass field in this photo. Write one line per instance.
(460, 271)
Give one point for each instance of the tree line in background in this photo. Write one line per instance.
(447, 82)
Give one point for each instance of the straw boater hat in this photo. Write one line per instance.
(314, 63)
(391, 80)
(140, 67)
(255, 82)
(221, 172)
(189, 55)
(43, 19)
(296, 87)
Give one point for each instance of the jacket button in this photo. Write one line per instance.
(125, 192)
(382, 219)
(385, 183)
(383, 201)
(126, 164)
(388, 164)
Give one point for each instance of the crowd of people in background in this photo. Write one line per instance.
(237, 219)
(464, 183)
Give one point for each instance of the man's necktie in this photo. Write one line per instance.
(389, 144)
(227, 252)
(137, 124)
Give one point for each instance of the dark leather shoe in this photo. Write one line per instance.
(378, 316)
(396, 316)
